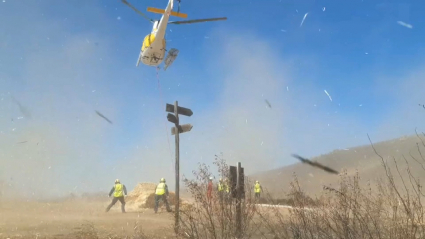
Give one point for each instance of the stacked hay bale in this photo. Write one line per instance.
(150, 202)
(137, 198)
(143, 196)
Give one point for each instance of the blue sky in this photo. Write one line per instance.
(64, 60)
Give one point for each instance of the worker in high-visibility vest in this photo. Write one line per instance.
(161, 193)
(119, 191)
(226, 185)
(220, 189)
(257, 190)
(227, 195)
(220, 185)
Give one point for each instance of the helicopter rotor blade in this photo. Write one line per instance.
(135, 9)
(198, 20)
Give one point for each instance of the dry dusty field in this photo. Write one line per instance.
(62, 219)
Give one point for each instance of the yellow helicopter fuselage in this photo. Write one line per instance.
(153, 50)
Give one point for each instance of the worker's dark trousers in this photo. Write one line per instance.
(257, 196)
(227, 198)
(220, 196)
(164, 199)
(115, 200)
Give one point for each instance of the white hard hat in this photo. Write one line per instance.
(211, 178)
(117, 180)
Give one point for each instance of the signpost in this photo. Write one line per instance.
(237, 184)
(237, 179)
(180, 110)
(182, 129)
(174, 118)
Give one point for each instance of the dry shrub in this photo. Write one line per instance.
(388, 208)
(213, 218)
(289, 200)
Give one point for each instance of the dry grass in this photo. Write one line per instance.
(87, 230)
(391, 207)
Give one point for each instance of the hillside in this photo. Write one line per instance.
(361, 158)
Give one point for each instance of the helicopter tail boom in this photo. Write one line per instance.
(162, 11)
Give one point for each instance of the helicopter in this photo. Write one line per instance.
(153, 49)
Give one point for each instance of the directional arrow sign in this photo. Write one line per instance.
(172, 118)
(182, 129)
(180, 110)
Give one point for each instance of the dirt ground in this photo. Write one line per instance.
(62, 219)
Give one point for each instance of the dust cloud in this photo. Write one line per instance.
(245, 129)
(62, 78)
(57, 77)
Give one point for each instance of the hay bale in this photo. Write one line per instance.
(137, 198)
(150, 202)
(143, 196)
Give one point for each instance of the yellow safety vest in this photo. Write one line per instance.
(227, 188)
(160, 189)
(118, 190)
(257, 188)
(220, 187)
